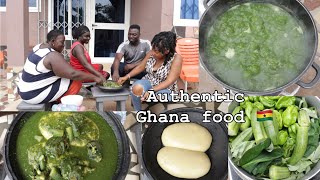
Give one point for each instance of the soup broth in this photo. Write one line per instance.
(256, 47)
(104, 169)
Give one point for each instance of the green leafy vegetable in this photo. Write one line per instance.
(285, 101)
(290, 115)
(263, 157)
(254, 151)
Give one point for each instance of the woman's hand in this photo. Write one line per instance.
(123, 79)
(99, 80)
(145, 96)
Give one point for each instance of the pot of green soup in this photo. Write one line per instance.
(66, 145)
(258, 46)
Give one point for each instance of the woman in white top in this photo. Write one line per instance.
(47, 76)
(163, 67)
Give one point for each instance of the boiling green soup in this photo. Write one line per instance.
(66, 145)
(256, 47)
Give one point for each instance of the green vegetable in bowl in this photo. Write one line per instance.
(285, 101)
(290, 115)
(259, 132)
(293, 130)
(245, 125)
(288, 147)
(254, 152)
(258, 105)
(233, 127)
(278, 118)
(111, 84)
(282, 137)
(301, 145)
(301, 138)
(303, 118)
(285, 147)
(278, 172)
(266, 101)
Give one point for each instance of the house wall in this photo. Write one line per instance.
(33, 25)
(146, 13)
(3, 29)
(154, 16)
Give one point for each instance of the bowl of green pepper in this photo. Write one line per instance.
(110, 85)
(286, 145)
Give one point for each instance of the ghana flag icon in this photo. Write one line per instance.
(265, 115)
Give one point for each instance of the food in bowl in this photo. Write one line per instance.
(190, 136)
(280, 138)
(183, 163)
(257, 47)
(65, 145)
(72, 100)
(183, 154)
(111, 84)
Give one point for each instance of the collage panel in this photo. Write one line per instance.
(276, 139)
(159, 90)
(246, 48)
(114, 145)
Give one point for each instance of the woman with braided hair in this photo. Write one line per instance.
(79, 56)
(163, 66)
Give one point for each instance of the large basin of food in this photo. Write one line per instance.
(282, 142)
(257, 46)
(66, 145)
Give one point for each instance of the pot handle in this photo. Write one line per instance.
(315, 79)
(206, 4)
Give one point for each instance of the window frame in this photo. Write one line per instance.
(177, 21)
(31, 9)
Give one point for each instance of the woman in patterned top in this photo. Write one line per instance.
(163, 67)
(47, 76)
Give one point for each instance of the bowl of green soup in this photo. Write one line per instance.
(258, 47)
(66, 145)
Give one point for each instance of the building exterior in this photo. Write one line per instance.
(24, 24)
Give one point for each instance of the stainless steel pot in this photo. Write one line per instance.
(294, 7)
(312, 101)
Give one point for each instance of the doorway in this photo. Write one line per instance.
(109, 21)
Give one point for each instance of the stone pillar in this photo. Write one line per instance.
(17, 15)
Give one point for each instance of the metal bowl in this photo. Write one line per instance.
(294, 7)
(312, 101)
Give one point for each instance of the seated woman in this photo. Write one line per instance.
(79, 56)
(47, 76)
(163, 66)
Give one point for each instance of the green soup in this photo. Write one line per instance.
(256, 47)
(104, 169)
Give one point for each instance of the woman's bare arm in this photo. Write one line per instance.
(55, 62)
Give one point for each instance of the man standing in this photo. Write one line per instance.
(133, 51)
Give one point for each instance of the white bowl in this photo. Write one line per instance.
(72, 100)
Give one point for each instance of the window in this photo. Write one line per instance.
(67, 15)
(33, 5)
(187, 12)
